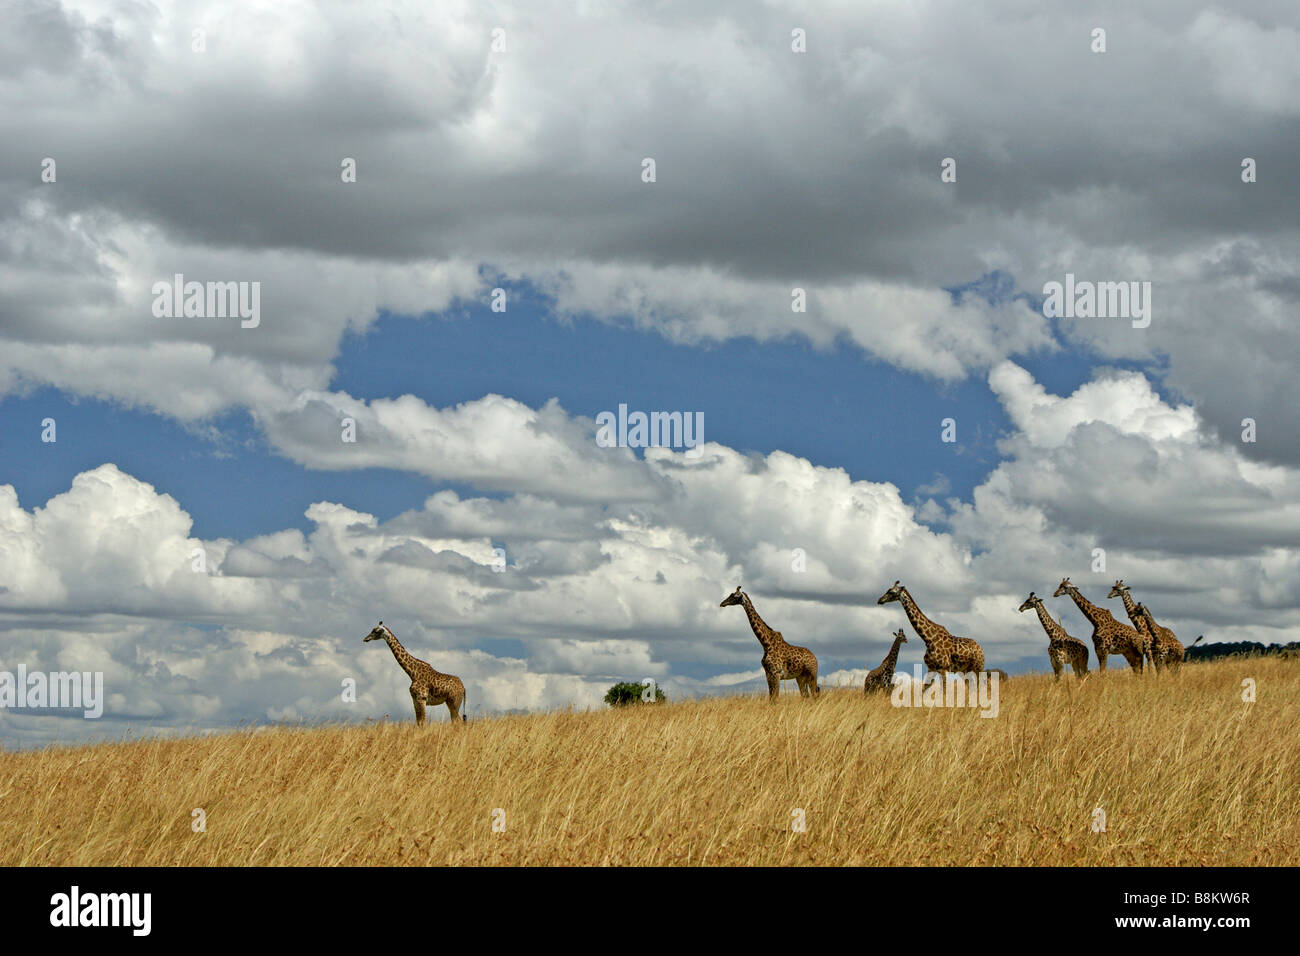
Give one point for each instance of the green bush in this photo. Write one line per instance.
(626, 692)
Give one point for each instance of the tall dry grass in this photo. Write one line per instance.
(1186, 773)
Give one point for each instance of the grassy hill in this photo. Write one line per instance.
(1185, 772)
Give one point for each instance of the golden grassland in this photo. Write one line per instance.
(1186, 773)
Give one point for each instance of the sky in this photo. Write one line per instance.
(502, 269)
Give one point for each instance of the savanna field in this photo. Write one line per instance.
(1185, 772)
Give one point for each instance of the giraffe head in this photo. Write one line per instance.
(900, 635)
(1141, 611)
(893, 594)
(1117, 589)
(1061, 588)
(1032, 601)
(378, 634)
(735, 597)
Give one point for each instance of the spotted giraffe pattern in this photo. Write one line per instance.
(1120, 590)
(781, 660)
(882, 678)
(943, 651)
(428, 686)
(1062, 649)
(1109, 636)
(1166, 649)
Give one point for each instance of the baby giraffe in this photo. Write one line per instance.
(428, 686)
(882, 677)
(781, 661)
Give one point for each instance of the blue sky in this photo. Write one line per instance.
(836, 406)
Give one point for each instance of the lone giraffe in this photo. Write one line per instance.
(882, 677)
(781, 661)
(1062, 649)
(1166, 649)
(428, 686)
(1109, 636)
(943, 652)
(1120, 590)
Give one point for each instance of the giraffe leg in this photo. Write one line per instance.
(419, 710)
(453, 709)
(773, 686)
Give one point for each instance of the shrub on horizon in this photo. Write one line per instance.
(626, 692)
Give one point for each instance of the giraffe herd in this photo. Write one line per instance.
(1144, 641)
(946, 653)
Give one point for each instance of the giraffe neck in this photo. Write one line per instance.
(1148, 622)
(1050, 626)
(1089, 610)
(920, 623)
(892, 658)
(1130, 608)
(766, 636)
(404, 659)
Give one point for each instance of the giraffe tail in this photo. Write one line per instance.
(464, 705)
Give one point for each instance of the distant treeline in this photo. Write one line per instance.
(1208, 652)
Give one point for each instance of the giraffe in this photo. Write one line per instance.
(1109, 636)
(781, 661)
(428, 686)
(943, 651)
(1120, 590)
(882, 677)
(1062, 649)
(1166, 649)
